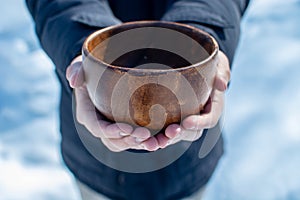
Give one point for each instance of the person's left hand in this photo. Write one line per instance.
(192, 127)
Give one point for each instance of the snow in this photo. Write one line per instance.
(262, 115)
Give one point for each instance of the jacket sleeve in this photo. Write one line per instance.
(220, 18)
(62, 26)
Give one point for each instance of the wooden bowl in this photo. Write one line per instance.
(149, 73)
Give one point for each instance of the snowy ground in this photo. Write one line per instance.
(262, 158)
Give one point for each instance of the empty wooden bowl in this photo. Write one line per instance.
(149, 73)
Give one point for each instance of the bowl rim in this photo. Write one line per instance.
(86, 53)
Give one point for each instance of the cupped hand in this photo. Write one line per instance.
(115, 136)
(192, 127)
(119, 136)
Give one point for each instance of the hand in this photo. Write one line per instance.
(115, 136)
(192, 127)
(119, 136)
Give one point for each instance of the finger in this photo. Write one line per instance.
(117, 130)
(174, 140)
(186, 135)
(220, 83)
(118, 145)
(191, 135)
(150, 144)
(108, 144)
(223, 73)
(162, 140)
(172, 130)
(141, 133)
(75, 75)
(131, 141)
(207, 120)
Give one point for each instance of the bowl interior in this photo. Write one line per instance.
(136, 44)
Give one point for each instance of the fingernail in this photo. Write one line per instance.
(123, 134)
(178, 130)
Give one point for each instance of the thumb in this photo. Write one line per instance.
(75, 74)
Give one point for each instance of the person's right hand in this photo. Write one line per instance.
(115, 136)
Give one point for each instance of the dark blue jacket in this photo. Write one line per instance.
(62, 26)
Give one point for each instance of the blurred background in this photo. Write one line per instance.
(262, 115)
